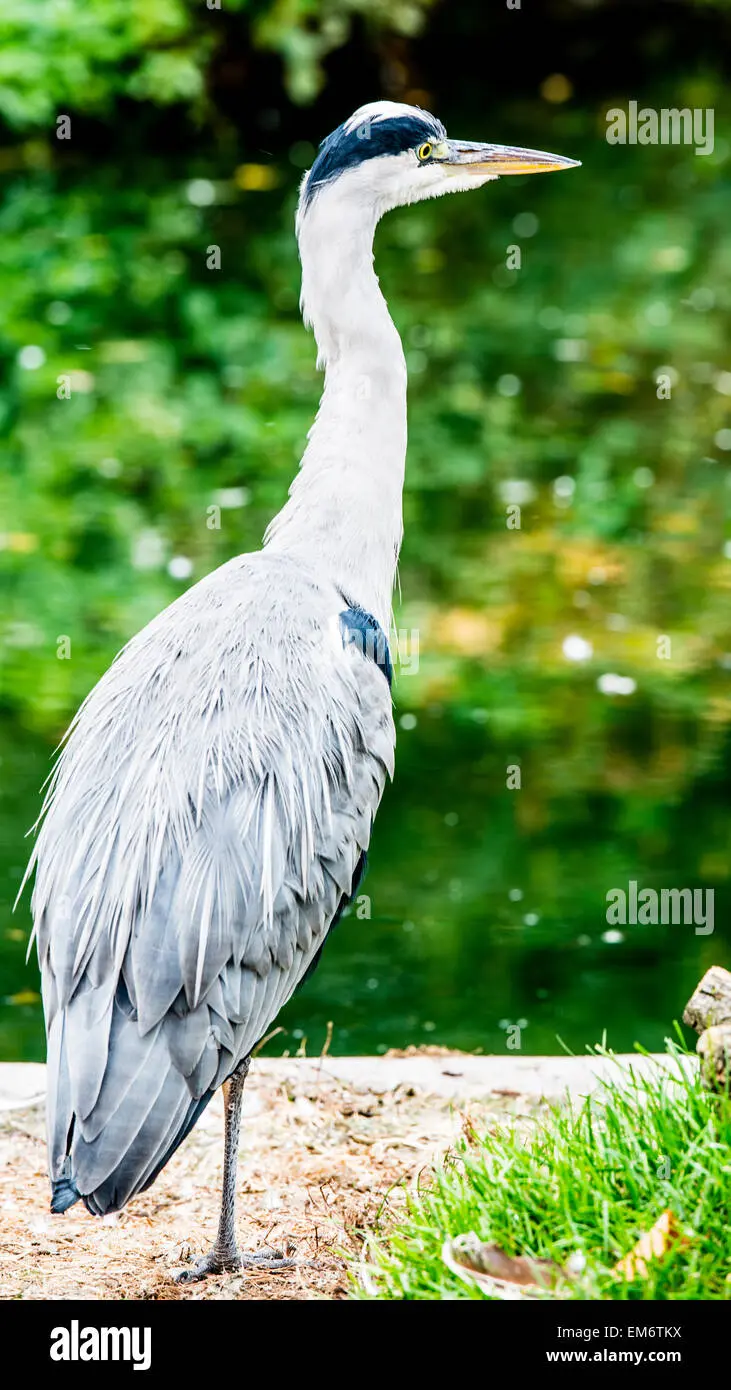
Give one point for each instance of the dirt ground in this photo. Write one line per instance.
(320, 1161)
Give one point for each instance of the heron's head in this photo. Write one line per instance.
(387, 155)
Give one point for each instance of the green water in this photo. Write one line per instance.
(192, 388)
(487, 907)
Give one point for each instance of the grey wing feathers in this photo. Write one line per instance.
(202, 829)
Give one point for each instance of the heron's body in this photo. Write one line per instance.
(207, 819)
(212, 806)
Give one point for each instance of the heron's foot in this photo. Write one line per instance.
(232, 1262)
(215, 1262)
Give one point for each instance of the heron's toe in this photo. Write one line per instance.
(267, 1258)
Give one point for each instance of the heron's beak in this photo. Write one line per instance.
(466, 157)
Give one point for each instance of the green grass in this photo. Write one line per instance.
(591, 1178)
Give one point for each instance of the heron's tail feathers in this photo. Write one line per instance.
(126, 1180)
(113, 1126)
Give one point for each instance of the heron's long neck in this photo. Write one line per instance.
(344, 516)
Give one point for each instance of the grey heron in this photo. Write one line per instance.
(209, 815)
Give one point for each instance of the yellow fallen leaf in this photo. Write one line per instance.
(652, 1245)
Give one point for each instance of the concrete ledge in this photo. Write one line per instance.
(457, 1075)
(22, 1084)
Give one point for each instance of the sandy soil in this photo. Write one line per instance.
(321, 1160)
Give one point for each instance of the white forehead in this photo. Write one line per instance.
(382, 111)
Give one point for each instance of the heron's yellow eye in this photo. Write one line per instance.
(424, 151)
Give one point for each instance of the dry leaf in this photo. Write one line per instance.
(503, 1276)
(652, 1245)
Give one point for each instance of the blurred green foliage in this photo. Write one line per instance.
(87, 54)
(84, 53)
(140, 389)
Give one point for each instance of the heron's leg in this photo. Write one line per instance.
(224, 1255)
